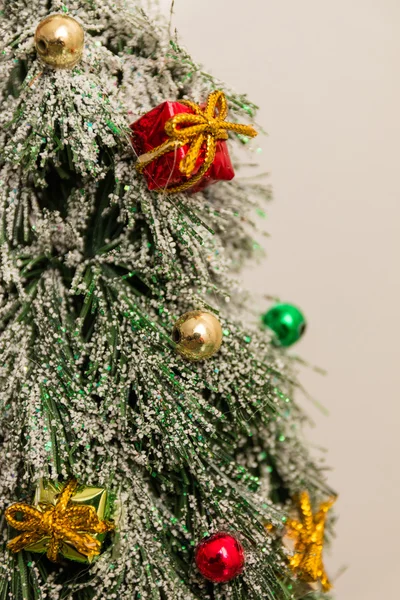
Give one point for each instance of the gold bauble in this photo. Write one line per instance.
(198, 335)
(59, 41)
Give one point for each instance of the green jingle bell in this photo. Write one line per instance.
(287, 322)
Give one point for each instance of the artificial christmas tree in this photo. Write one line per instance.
(150, 444)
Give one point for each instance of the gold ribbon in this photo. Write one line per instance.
(308, 533)
(203, 127)
(63, 522)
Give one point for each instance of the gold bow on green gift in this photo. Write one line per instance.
(60, 525)
(202, 128)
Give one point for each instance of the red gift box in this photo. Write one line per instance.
(164, 173)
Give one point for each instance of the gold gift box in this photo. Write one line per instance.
(47, 493)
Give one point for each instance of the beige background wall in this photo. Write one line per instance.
(327, 76)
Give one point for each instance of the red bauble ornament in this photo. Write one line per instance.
(220, 557)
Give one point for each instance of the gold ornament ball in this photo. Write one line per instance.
(59, 41)
(198, 335)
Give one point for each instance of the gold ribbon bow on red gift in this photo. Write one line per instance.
(63, 522)
(204, 127)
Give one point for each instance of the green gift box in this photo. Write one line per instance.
(47, 493)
